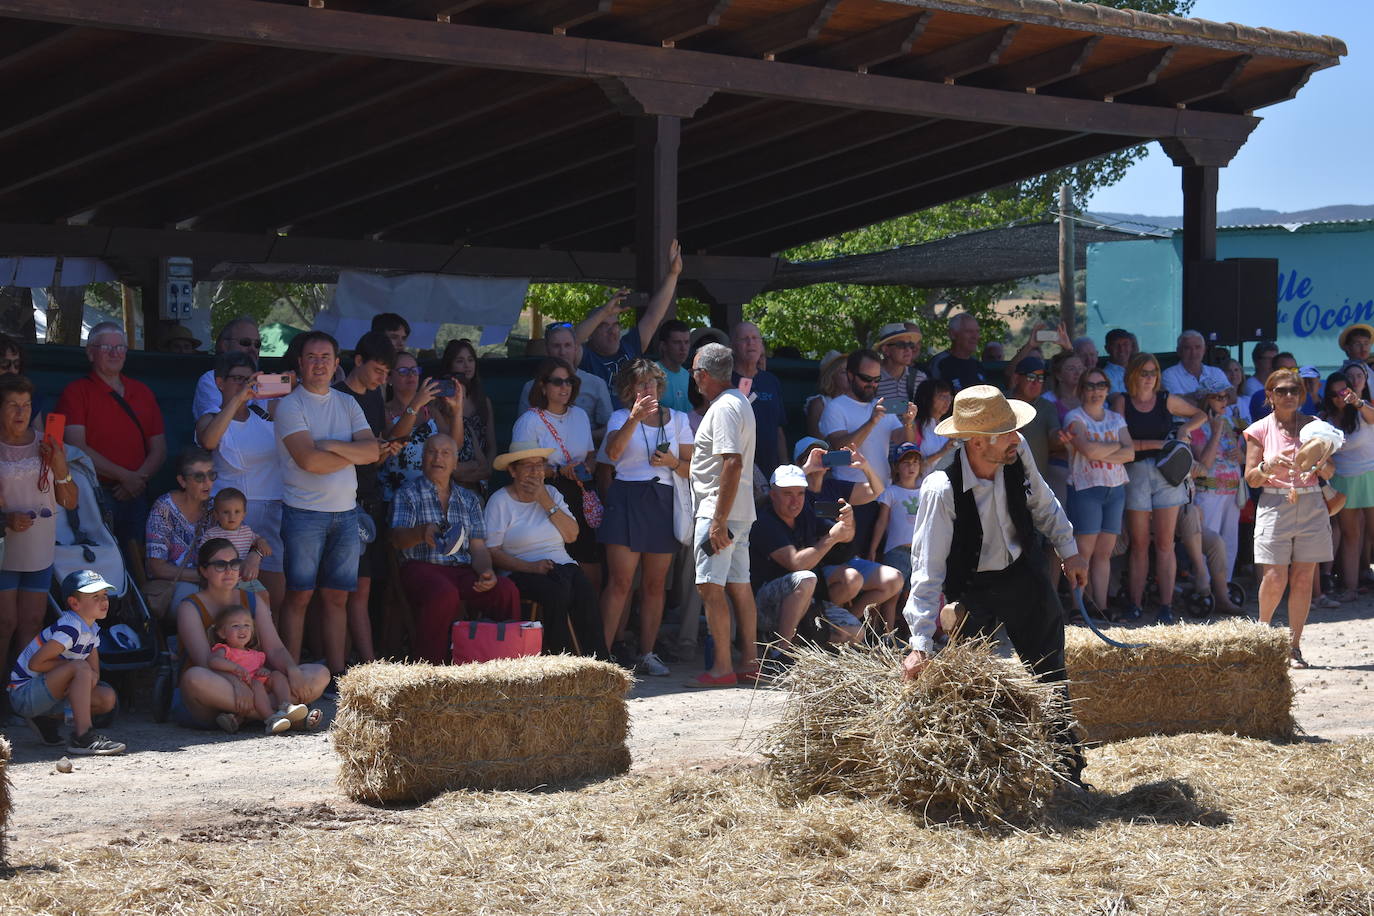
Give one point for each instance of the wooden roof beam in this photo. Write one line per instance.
(670, 24)
(21, 41)
(1265, 90)
(555, 16)
(868, 49)
(777, 34)
(1030, 73)
(1201, 83)
(957, 60)
(1106, 83)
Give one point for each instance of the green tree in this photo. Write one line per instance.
(575, 301)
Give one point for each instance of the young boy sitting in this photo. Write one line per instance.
(63, 664)
(230, 508)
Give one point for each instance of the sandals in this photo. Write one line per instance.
(311, 721)
(228, 721)
(1296, 659)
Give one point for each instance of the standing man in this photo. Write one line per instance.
(674, 346)
(592, 396)
(1185, 376)
(240, 335)
(322, 435)
(958, 365)
(1121, 346)
(1040, 433)
(1262, 355)
(373, 359)
(605, 349)
(1355, 341)
(977, 540)
(765, 393)
(899, 344)
(723, 490)
(116, 420)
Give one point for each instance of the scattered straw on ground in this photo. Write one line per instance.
(970, 737)
(406, 732)
(5, 800)
(1181, 825)
(1229, 677)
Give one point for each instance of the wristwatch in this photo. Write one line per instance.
(67, 479)
(412, 411)
(553, 510)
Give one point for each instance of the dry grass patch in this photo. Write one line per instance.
(1179, 825)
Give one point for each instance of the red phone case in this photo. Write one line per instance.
(55, 427)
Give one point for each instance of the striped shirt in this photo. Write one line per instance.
(78, 638)
(417, 503)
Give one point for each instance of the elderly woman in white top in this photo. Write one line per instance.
(241, 438)
(647, 443)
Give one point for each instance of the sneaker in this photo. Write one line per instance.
(652, 665)
(1132, 613)
(1165, 616)
(1345, 596)
(294, 713)
(46, 728)
(277, 724)
(228, 721)
(1327, 603)
(92, 744)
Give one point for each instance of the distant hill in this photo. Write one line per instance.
(1244, 216)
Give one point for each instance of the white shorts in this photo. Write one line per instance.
(726, 566)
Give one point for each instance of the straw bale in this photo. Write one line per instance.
(1229, 677)
(5, 800)
(406, 732)
(969, 738)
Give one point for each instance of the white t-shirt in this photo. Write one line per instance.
(727, 429)
(208, 397)
(901, 519)
(332, 415)
(931, 442)
(592, 396)
(573, 428)
(247, 459)
(1084, 472)
(1356, 456)
(844, 415)
(634, 460)
(524, 530)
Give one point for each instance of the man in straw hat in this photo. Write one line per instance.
(1355, 341)
(977, 539)
(899, 343)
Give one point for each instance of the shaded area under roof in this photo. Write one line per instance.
(970, 259)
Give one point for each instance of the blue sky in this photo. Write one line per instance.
(1309, 152)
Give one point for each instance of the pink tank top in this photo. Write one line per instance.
(1275, 442)
(250, 660)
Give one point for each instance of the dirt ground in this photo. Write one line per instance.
(172, 779)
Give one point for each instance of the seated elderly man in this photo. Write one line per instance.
(441, 533)
(787, 546)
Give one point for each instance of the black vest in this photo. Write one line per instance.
(966, 541)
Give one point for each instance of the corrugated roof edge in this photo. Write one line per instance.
(1322, 49)
(1344, 225)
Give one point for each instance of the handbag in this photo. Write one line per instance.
(485, 640)
(1175, 462)
(592, 510)
(684, 510)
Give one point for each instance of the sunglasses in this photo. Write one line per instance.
(408, 370)
(869, 379)
(224, 565)
(559, 324)
(202, 476)
(45, 512)
(560, 382)
(1148, 373)
(7, 364)
(1096, 386)
(248, 343)
(1287, 392)
(1034, 376)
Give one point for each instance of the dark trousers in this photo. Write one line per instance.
(1021, 600)
(440, 595)
(127, 519)
(565, 596)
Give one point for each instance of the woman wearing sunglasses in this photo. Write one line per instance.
(175, 522)
(1292, 528)
(34, 481)
(204, 695)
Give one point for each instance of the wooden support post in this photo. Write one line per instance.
(1066, 262)
(656, 148)
(1199, 225)
(126, 295)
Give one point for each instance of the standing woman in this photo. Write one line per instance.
(34, 482)
(834, 381)
(647, 444)
(1151, 503)
(934, 400)
(1100, 445)
(1220, 458)
(1292, 529)
(476, 438)
(409, 397)
(1345, 408)
(1061, 390)
(555, 422)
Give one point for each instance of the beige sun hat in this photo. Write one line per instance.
(982, 410)
(519, 451)
(891, 333)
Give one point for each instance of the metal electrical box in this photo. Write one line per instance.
(178, 288)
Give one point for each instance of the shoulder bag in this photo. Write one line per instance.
(592, 511)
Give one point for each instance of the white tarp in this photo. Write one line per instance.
(38, 272)
(426, 301)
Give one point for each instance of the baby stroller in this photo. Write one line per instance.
(129, 637)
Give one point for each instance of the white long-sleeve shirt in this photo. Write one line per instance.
(934, 532)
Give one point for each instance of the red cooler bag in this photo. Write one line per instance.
(484, 640)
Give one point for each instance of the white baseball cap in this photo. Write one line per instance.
(788, 475)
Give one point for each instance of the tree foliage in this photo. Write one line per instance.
(575, 301)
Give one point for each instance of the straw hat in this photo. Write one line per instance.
(1363, 328)
(891, 333)
(519, 451)
(829, 357)
(982, 410)
(176, 332)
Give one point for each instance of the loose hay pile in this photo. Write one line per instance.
(5, 801)
(406, 732)
(968, 738)
(1230, 677)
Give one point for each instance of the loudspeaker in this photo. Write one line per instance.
(1232, 300)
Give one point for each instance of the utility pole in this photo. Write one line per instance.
(1066, 262)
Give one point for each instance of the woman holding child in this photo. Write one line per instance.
(205, 694)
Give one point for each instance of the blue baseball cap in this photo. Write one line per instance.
(1029, 364)
(901, 451)
(85, 581)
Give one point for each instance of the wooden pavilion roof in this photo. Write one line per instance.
(412, 133)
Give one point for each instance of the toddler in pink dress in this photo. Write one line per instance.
(235, 657)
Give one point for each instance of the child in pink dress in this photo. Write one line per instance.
(236, 657)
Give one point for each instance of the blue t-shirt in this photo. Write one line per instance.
(769, 417)
(675, 391)
(605, 367)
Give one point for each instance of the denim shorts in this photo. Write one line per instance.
(865, 568)
(33, 698)
(264, 517)
(321, 549)
(1096, 509)
(728, 566)
(1146, 488)
(39, 581)
(181, 714)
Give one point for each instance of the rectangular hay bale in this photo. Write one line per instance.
(406, 732)
(1229, 677)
